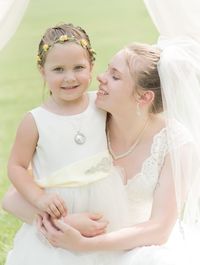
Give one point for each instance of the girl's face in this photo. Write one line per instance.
(116, 86)
(67, 71)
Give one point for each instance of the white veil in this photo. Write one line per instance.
(11, 13)
(179, 68)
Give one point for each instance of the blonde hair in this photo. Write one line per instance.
(62, 33)
(142, 60)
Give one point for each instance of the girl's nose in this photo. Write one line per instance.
(69, 77)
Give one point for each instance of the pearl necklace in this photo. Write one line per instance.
(132, 147)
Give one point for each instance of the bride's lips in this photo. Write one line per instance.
(102, 91)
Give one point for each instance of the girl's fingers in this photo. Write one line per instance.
(51, 213)
(54, 211)
(60, 206)
(48, 226)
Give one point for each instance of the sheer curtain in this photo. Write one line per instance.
(175, 17)
(11, 13)
(179, 68)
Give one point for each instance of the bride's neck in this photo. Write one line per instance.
(125, 128)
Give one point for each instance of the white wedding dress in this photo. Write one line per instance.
(31, 248)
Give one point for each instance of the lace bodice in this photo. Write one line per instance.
(141, 187)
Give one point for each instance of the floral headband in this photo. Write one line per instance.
(63, 38)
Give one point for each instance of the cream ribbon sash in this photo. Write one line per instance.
(80, 173)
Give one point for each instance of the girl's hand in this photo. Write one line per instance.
(52, 204)
(60, 234)
(88, 224)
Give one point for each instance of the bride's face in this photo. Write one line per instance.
(116, 86)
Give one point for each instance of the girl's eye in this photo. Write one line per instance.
(79, 67)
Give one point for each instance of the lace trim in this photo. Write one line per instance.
(152, 165)
(158, 152)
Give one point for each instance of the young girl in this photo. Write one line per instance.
(65, 141)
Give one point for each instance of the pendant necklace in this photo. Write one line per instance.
(79, 137)
(131, 148)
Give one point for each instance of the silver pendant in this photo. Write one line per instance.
(79, 138)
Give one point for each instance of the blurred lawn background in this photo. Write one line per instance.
(110, 25)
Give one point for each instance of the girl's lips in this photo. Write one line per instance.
(70, 87)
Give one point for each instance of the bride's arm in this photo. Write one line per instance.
(155, 231)
(89, 224)
(16, 205)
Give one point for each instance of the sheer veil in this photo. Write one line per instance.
(179, 26)
(11, 13)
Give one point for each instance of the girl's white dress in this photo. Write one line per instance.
(82, 174)
(30, 249)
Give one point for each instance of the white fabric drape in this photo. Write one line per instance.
(175, 18)
(11, 13)
(179, 68)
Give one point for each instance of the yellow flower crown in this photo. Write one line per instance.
(63, 38)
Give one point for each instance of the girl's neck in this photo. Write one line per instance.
(67, 107)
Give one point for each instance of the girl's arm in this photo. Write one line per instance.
(155, 231)
(21, 155)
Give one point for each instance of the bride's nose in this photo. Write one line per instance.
(101, 78)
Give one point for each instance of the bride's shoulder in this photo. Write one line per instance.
(177, 134)
(171, 134)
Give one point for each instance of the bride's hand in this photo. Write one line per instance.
(60, 234)
(88, 224)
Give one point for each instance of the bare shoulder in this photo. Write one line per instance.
(27, 126)
(27, 134)
(25, 142)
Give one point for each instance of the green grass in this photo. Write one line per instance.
(110, 24)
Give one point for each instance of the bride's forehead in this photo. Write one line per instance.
(119, 56)
(119, 61)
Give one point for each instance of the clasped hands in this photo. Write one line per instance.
(69, 231)
(72, 231)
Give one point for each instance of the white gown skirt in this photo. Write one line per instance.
(106, 196)
(31, 249)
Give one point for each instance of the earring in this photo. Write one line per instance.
(138, 110)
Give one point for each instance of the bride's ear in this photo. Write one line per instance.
(147, 98)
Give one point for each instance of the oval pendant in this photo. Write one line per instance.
(79, 138)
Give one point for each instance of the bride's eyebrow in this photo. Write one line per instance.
(114, 70)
